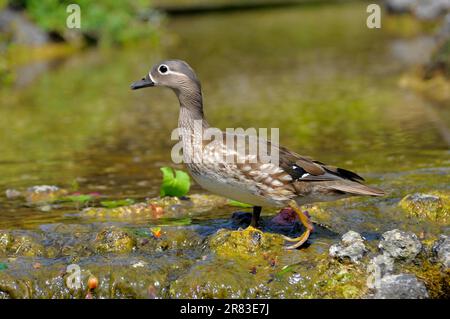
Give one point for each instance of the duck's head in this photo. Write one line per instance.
(174, 74)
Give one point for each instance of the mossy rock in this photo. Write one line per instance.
(179, 238)
(14, 288)
(5, 241)
(21, 245)
(247, 243)
(218, 279)
(114, 240)
(113, 282)
(436, 280)
(249, 278)
(434, 206)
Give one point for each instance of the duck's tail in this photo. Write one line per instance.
(358, 189)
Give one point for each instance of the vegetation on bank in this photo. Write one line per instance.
(106, 21)
(37, 30)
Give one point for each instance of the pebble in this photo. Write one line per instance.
(351, 248)
(400, 245)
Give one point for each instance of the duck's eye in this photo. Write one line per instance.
(163, 69)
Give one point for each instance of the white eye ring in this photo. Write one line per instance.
(163, 69)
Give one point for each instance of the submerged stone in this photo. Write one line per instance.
(400, 245)
(435, 207)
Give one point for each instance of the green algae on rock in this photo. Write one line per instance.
(114, 240)
(12, 244)
(247, 243)
(168, 207)
(434, 206)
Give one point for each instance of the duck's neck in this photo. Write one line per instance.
(191, 124)
(191, 110)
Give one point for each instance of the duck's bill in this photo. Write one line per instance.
(145, 82)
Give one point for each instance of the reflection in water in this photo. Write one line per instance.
(329, 84)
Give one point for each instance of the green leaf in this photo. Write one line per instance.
(174, 184)
(284, 270)
(235, 203)
(117, 203)
(77, 198)
(3, 266)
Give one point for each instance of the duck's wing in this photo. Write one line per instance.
(304, 170)
(297, 174)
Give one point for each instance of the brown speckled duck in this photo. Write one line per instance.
(294, 181)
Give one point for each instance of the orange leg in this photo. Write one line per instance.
(306, 222)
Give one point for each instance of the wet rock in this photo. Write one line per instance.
(179, 238)
(12, 193)
(246, 243)
(441, 250)
(286, 217)
(400, 245)
(14, 288)
(114, 240)
(43, 194)
(351, 249)
(24, 245)
(435, 207)
(114, 281)
(20, 245)
(5, 241)
(204, 281)
(402, 286)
